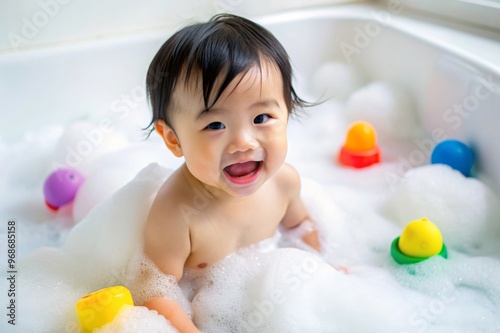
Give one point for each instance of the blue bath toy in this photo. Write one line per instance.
(455, 154)
(61, 186)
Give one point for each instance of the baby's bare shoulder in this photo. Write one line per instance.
(170, 197)
(288, 179)
(166, 234)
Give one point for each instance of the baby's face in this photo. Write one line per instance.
(242, 140)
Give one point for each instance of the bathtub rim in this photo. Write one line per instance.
(403, 22)
(406, 23)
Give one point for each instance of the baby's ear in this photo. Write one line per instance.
(169, 137)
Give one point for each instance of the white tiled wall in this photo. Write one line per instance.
(27, 23)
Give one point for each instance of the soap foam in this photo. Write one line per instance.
(463, 208)
(388, 108)
(462, 293)
(137, 319)
(147, 281)
(336, 80)
(289, 290)
(96, 254)
(268, 287)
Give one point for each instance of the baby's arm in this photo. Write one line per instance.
(296, 217)
(168, 245)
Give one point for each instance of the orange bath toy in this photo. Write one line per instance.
(360, 148)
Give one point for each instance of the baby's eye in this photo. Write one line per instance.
(216, 125)
(261, 118)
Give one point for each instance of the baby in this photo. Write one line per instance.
(221, 94)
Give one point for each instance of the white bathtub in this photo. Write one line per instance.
(441, 67)
(453, 75)
(446, 70)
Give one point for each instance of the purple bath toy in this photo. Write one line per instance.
(61, 186)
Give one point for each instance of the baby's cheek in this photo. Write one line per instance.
(277, 151)
(277, 132)
(279, 139)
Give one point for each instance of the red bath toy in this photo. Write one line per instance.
(360, 148)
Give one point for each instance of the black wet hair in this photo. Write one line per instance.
(219, 49)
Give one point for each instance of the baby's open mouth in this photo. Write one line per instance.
(242, 170)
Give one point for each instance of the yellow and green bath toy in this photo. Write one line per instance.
(420, 240)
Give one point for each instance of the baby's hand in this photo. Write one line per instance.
(342, 269)
(307, 232)
(311, 238)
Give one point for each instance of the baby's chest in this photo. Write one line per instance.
(241, 225)
(216, 235)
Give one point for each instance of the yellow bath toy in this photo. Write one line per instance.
(420, 240)
(100, 307)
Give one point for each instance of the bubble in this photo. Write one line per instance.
(137, 319)
(277, 285)
(389, 109)
(444, 196)
(82, 142)
(336, 80)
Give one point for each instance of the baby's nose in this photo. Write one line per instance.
(243, 141)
